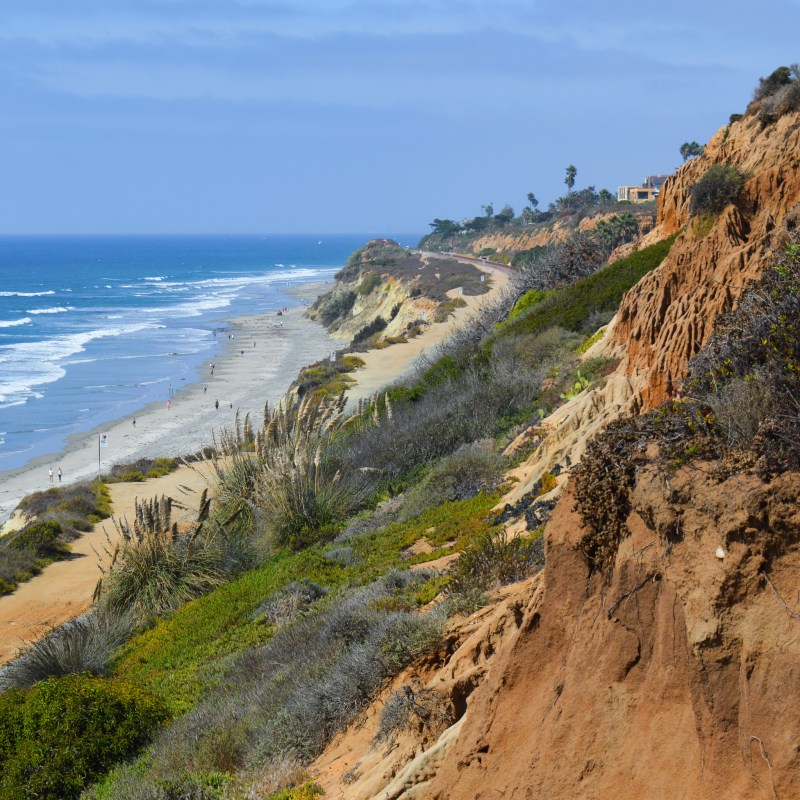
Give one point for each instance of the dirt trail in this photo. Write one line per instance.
(64, 590)
(386, 366)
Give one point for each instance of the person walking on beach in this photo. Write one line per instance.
(216, 404)
(169, 404)
(205, 389)
(59, 474)
(50, 474)
(134, 422)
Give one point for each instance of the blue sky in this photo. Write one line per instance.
(205, 116)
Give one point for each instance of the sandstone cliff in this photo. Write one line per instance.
(669, 315)
(510, 242)
(673, 672)
(394, 290)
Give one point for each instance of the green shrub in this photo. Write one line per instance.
(131, 476)
(369, 283)
(528, 300)
(335, 306)
(494, 559)
(62, 734)
(777, 80)
(719, 186)
(41, 538)
(308, 791)
(369, 330)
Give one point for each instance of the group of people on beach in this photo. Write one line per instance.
(50, 474)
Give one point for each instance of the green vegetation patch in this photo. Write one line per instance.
(719, 186)
(599, 293)
(141, 469)
(328, 378)
(183, 655)
(369, 283)
(56, 517)
(528, 300)
(64, 733)
(447, 307)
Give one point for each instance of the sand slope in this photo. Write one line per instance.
(64, 590)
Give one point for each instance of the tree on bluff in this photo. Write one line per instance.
(444, 227)
(691, 149)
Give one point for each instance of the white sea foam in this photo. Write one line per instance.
(193, 308)
(12, 323)
(56, 310)
(155, 278)
(25, 294)
(26, 365)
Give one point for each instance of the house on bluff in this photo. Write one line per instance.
(641, 194)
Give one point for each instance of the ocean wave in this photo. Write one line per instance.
(26, 365)
(193, 308)
(56, 310)
(26, 294)
(155, 278)
(12, 323)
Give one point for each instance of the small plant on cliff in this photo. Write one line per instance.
(719, 186)
(79, 646)
(409, 709)
(495, 559)
(335, 306)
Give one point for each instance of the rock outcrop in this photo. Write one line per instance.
(541, 236)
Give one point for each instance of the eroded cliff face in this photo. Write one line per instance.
(539, 236)
(669, 315)
(672, 675)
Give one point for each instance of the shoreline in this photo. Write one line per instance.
(64, 589)
(241, 381)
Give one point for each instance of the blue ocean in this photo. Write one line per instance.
(95, 328)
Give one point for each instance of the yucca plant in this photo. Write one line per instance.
(154, 567)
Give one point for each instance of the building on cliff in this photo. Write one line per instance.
(641, 194)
